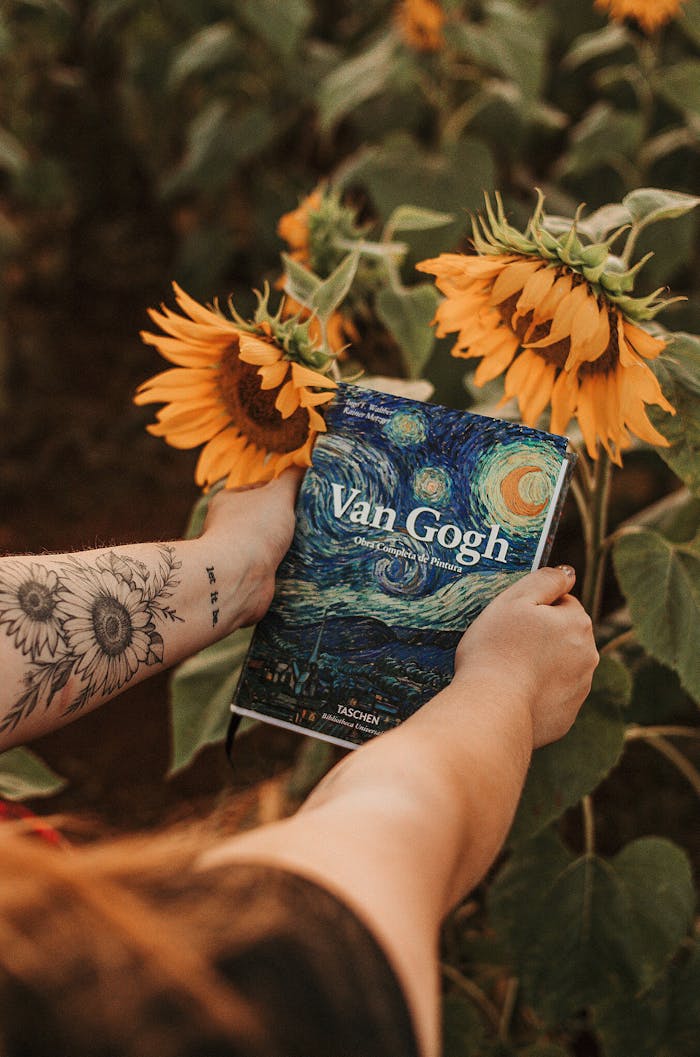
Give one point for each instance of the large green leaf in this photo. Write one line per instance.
(562, 773)
(401, 171)
(24, 775)
(354, 81)
(331, 292)
(600, 43)
(678, 371)
(661, 582)
(212, 48)
(665, 1022)
(647, 205)
(202, 689)
(603, 136)
(680, 85)
(218, 141)
(282, 26)
(407, 313)
(582, 930)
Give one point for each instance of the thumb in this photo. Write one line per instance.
(545, 585)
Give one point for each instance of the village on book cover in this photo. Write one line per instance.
(411, 519)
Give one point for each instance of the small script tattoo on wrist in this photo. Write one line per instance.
(92, 619)
(213, 596)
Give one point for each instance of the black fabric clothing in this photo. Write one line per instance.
(310, 972)
(320, 980)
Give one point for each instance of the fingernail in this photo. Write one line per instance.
(568, 570)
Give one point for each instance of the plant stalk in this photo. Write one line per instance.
(595, 528)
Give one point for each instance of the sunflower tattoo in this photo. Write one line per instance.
(96, 622)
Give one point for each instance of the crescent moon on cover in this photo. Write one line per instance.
(513, 497)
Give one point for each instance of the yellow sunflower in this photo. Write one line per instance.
(650, 14)
(560, 339)
(420, 23)
(236, 390)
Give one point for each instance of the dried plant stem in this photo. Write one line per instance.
(588, 825)
(620, 640)
(508, 1007)
(489, 1009)
(680, 762)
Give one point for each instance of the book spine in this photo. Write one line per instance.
(549, 528)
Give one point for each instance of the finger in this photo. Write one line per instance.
(545, 586)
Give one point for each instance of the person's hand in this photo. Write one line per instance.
(538, 641)
(255, 526)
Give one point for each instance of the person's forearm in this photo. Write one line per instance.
(453, 773)
(76, 629)
(405, 826)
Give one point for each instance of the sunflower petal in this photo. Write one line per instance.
(287, 399)
(272, 374)
(305, 376)
(643, 343)
(255, 350)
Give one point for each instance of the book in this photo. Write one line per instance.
(411, 519)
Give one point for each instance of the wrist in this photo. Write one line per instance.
(237, 585)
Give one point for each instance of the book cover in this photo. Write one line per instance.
(411, 519)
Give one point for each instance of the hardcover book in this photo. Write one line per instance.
(411, 519)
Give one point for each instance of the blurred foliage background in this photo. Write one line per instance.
(148, 140)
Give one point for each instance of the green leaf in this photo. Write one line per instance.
(664, 1022)
(333, 290)
(678, 371)
(416, 218)
(218, 141)
(24, 775)
(355, 81)
(197, 517)
(562, 773)
(518, 41)
(658, 697)
(407, 314)
(689, 18)
(401, 171)
(282, 26)
(596, 45)
(584, 930)
(680, 85)
(462, 1027)
(603, 221)
(661, 582)
(299, 282)
(602, 137)
(213, 47)
(649, 204)
(201, 692)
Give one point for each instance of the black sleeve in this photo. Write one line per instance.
(320, 980)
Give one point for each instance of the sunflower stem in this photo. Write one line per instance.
(588, 824)
(679, 761)
(596, 549)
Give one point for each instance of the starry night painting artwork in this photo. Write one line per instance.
(411, 519)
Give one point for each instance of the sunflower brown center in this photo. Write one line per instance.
(111, 624)
(253, 410)
(36, 601)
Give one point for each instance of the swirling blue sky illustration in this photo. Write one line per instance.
(403, 455)
(367, 616)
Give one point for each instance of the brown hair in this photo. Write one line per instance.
(111, 951)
